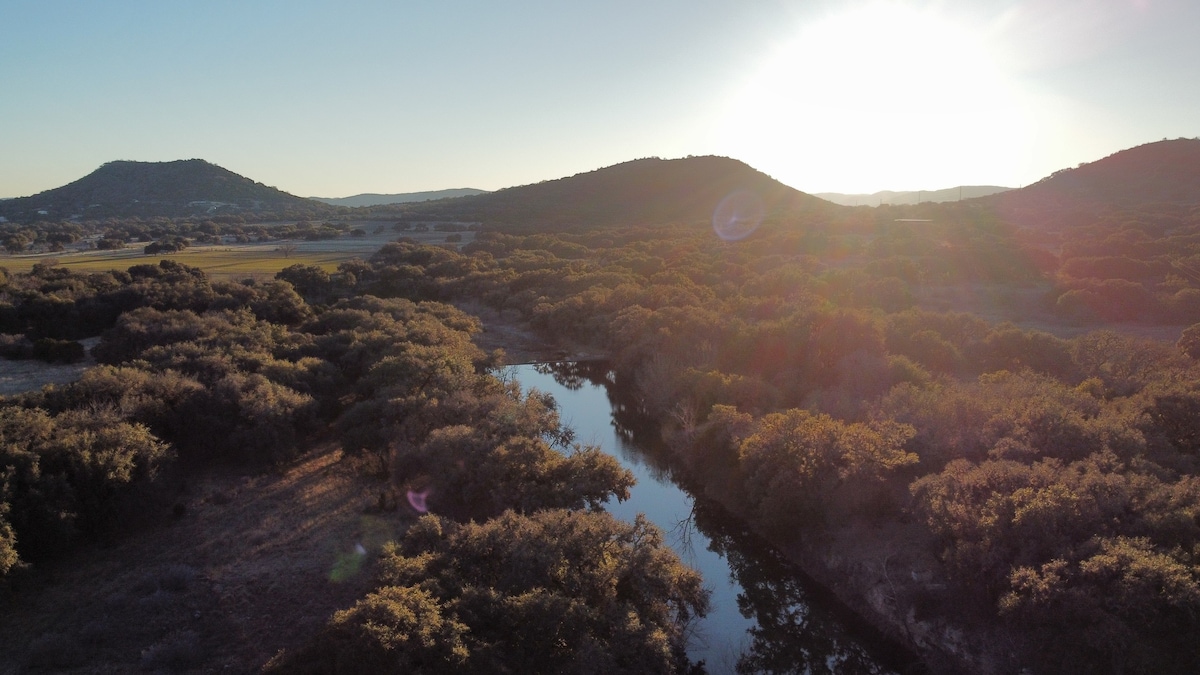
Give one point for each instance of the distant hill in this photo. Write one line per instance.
(639, 192)
(911, 197)
(179, 188)
(372, 199)
(1161, 173)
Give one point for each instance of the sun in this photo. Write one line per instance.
(881, 96)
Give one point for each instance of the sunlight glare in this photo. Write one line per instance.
(738, 215)
(418, 500)
(875, 92)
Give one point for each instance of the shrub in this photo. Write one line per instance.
(51, 350)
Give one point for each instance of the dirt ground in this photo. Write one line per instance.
(253, 565)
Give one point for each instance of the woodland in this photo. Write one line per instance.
(803, 378)
(953, 420)
(195, 374)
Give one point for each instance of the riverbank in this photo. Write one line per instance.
(885, 574)
(765, 615)
(506, 331)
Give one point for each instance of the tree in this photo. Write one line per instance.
(555, 591)
(308, 280)
(8, 538)
(62, 475)
(58, 351)
(1189, 341)
(1118, 606)
(169, 244)
(795, 460)
(396, 629)
(16, 243)
(277, 302)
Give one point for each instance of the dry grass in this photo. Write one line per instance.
(255, 565)
(232, 261)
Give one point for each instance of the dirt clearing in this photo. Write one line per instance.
(242, 567)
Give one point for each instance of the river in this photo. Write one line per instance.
(766, 615)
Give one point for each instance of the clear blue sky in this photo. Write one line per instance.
(336, 98)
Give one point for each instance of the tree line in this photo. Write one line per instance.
(167, 235)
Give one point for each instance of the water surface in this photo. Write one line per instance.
(766, 615)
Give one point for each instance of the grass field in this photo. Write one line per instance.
(229, 261)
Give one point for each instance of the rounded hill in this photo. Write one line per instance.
(1162, 173)
(178, 188)
(639, 192)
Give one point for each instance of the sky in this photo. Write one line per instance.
(330, 99)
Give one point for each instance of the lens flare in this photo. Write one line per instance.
(417, 500)
(348, 565)
(738, 214)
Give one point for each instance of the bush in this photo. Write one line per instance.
(51, 350)
(64, 476)
(553, 592)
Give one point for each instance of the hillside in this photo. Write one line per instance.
(179, 188)
(911, 196)
(373, 199)
(643, 191)
(1164, 174)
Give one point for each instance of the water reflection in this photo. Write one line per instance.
(575, 374)
(768, 617)
(793, 631)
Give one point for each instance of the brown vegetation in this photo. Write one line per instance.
(1045, 485)
(999, 497)
(200, 378)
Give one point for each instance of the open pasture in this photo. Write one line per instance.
(231, 261)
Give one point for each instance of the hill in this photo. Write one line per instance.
(373, 199)
(179, 188)
(1162, 174)
(912, 196)
(639, 192)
